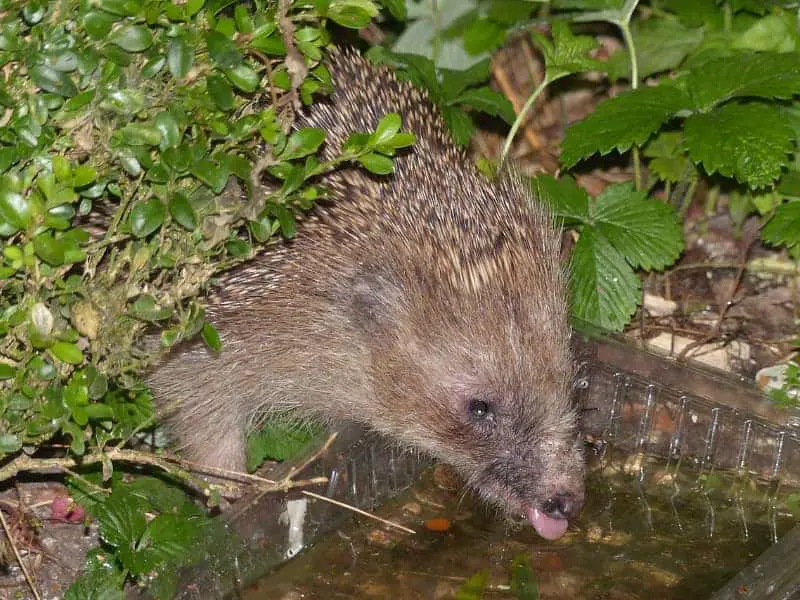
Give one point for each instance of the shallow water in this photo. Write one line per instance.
(649, 530)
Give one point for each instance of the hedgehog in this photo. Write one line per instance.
(428, 305)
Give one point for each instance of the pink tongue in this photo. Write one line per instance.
(547, 527)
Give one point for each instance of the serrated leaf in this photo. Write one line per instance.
(622, 122)
(661, 45)
(460, 125)
(784, 227)
(485, 99)
(566, 200)
(567, 53)
(278, 440)
(102, 579)
(669, 161)
(605, 290)
(646, 232)
(750, 142)
(761, 75)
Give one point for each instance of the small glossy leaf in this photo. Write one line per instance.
(243, 77)
(211, 337)
(377, 163)
(146, 217)
(220, 91)
(179, 58)
(168, 127)
(302, 143)
(182, 211)
(132, 38)
(67, 352)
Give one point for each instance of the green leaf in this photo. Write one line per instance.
(15, 209)
(523, 580)
(102, 579)
(222, 50)
(354, 14)
(483, 35)
(567, 201)
(243, 77)
(775, 32)
(122, 524)
(179, 57)
(646, 232)
(9, 443)
(167, 126)
(750, 142)
(661, 45)
(211, 337)
(621, 122)
(460, 124)
(784, 227)
(567, 53)
(761, 75)
(485, 99)
(146, 217)
(214, 175)
(377, 163)
(669, 161)
(98, 24)
(67, 352)
(387, 128)
(49, 249)
(220, 91)
(278, 440)
(132, 38)
(302, 143)
(141, 134)
(473, 588)
(6, 371)
(182, 211)
(605, 290)
(50, 80)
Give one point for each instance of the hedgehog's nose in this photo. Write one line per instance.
(564, 505)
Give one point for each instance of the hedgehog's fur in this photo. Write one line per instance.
(402, 303)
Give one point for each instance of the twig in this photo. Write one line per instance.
(28, 577)
(359, 511)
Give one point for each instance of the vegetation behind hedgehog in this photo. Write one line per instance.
(429, 305)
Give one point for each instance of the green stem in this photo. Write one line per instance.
(687, 199)
(521, 118)
(628, 37)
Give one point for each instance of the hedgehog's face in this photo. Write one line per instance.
(511, 435)
(485, 386)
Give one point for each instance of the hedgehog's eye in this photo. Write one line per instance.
(480, 409)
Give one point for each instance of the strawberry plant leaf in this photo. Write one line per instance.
(668, 158)
(661, 45)
(567, 53)
(487, 100)
(750, 142)
(646, 232)
(605, 290)
(567, 201)
(621, 122)
(760, 75)
(784, 227)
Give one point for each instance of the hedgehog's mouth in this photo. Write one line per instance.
(549, 528)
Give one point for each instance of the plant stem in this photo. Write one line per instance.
(521, 117)
(628, 37)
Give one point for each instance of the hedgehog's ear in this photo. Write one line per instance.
(375, 300)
